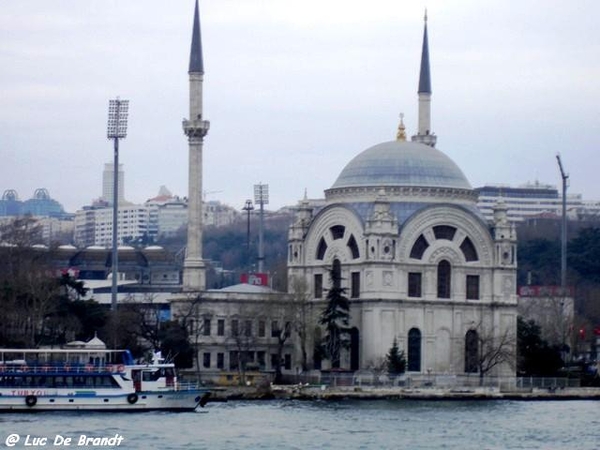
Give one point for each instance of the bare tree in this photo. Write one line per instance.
(191, 315)
(554, 314)
(142, 319)
(244, 337)
(487, 347)
(29, 290)
(303, 319)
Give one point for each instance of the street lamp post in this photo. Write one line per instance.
(117, 129)
(248, 207)
(563, 237)
(563, 251)
(261, 197)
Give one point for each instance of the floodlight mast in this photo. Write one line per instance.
(261, 197)
(117, 129)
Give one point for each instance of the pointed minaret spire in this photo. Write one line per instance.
(195, 128)
(196, 62)
(425, 76)
(424, 134)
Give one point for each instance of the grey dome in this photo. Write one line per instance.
(400, 163)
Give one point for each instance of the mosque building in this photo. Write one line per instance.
(400, 228)
(418, 261)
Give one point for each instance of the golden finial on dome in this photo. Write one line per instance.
(401, 135)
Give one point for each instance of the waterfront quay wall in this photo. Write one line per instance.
(301, 392)
(432, 393)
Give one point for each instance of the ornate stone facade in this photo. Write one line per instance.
(419, 262)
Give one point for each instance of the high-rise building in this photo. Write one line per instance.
(108, 177)
(93, 226)
(527, 201)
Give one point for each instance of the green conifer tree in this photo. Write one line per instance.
(395, 360)
(335, 317)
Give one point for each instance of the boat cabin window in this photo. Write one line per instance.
(148, 375)
(58, 381)
(153, 375)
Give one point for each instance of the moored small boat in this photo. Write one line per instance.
(87, 376)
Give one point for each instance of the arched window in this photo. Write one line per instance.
(321, 249)
(353, 246)
(471, 351)
(444, 276)
(468, 250)
(444, 232)
(419, 247)
(414, 350)
(336, 274)
(337, 231)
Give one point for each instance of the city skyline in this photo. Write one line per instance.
(293, 93)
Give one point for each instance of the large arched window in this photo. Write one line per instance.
(336, 274)
(321, 249)
(471, 351)
(419, 247)
(414, 350)
(353, 246)
(444, 276)
(469, 250)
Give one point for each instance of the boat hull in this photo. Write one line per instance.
(140, 401)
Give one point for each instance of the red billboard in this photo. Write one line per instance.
(256, 279)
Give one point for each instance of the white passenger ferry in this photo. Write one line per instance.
(87, 376)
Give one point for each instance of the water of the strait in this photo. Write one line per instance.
(383, 424)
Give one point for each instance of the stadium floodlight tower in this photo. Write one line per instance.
(117, 129)
(261, 197)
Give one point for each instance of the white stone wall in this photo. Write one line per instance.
(384, 311)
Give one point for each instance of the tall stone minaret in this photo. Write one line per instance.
(424, 134)
(194, 269)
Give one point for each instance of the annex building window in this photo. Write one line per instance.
(275, 329)
(261, 360)
(234, 360)
(206, 327)
(221, 327)
(206, 360)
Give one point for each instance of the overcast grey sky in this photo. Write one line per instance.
(294, 89)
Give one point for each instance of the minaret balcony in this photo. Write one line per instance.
(196, 128)
(427, 139)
